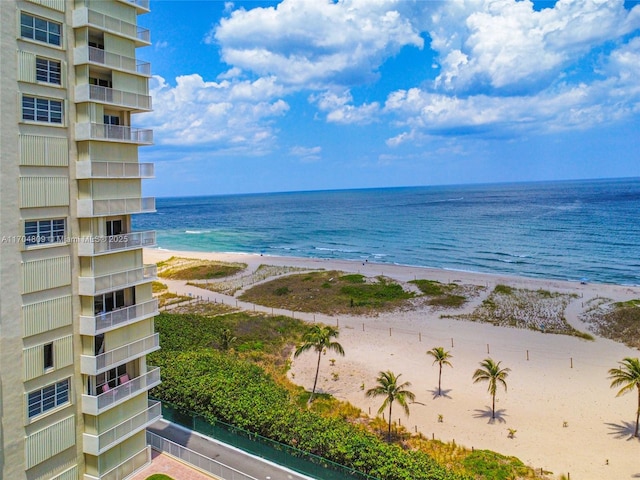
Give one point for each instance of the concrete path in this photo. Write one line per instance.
(251, 465)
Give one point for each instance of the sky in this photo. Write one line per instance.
(296, 95)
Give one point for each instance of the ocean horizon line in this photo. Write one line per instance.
(403, 187)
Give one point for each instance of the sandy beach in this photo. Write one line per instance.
(567, 419)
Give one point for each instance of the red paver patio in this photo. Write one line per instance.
(161, 463)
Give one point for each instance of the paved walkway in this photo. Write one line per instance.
(253, 466)
(162, 463)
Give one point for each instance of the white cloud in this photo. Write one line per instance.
(340, 109)
(306, 154)
(507, 45)
(225, 114)
(504, 69)
(315, 43)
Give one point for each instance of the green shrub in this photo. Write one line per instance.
(503, 289)
(281, 291)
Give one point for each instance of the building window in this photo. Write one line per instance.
(40, 29)
(40, 232)
(114, 227)
(111, 378)
(48, 71)
(48, 397)
(41, 110)
(48, 356)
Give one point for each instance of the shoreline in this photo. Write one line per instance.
(561, 378)
(383, 264)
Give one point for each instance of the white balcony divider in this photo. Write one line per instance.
(94, 365)
(124, 316)
(96, 404)
(125, 469)
(96, 93)
(115, 206)
(97, 444)
(112, 60)
(89, 246)
(86, 16)
(115, 281)
(98, 169)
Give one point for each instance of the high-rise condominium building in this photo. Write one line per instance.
(76, 305)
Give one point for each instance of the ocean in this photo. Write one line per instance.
(587, 230)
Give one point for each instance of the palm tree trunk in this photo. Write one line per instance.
(493, 407)
(440, 380)
(315, 382)
(637, 413)
(389, 432)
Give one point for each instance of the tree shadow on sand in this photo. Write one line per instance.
(444, 394)
(488, 413)
(623, 430)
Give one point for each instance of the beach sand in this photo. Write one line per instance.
(567, 418)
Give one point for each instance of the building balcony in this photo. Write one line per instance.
(97, 169)
(98, 56)
(96, 404)
(96, 364)
(126, 468)
(91, 286)
(119, 98)
(103, 322)
(113, 133)
(88, 207)
(141, 5)
(84, 17)
(90, 246)
(100, 443)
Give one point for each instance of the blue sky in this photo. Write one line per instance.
(320, 94)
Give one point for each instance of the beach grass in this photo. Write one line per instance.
(618, 321)
(230, 286)
(540, 310)
(330, 292)
(157, 287)
(169, 298)
(177, 268)
(446, 295)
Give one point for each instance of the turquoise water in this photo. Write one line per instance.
(562, 230)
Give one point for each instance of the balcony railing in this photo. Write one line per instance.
(102, 322)
(92, 286)
(94, 365)
(115, 133)
(89, 246)
(97, 169)
(97, 444)
(141, 4)
(85, 16)
(99, 56)
(115, 206)
(95, 405)
(120, 98)
(126, 468)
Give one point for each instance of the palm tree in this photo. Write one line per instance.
(441, 357)
(389, 388)
(627, 376)
(492, 373)
(226, 339)
(319, 338)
